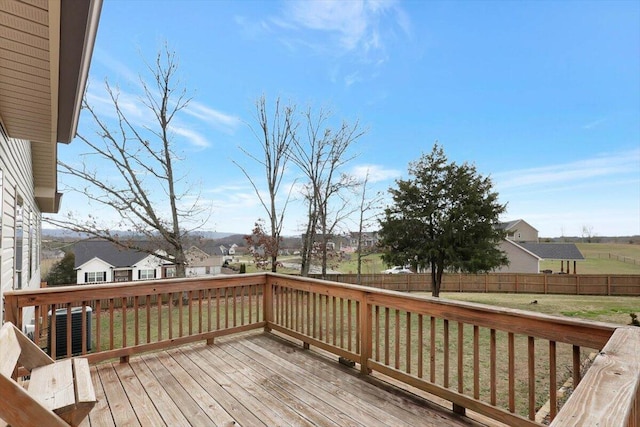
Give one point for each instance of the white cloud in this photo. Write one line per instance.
(594, 124)
(361, 26)
(564, 173)
(213, 117)
(191, 136)
(376, 173)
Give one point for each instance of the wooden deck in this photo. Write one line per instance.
(251, 380)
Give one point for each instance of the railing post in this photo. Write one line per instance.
(366, 333)
(268, 303)
(11, 309)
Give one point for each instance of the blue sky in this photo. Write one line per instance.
(543, 96)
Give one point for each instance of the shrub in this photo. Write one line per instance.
(634, 319)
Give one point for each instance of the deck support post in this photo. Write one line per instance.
(210, 341)
(124, 359)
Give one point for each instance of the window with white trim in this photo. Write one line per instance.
(147, 274)
(19, 242)
(95, 276)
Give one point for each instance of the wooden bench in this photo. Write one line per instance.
(58, 393)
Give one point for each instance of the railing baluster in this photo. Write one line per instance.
(69, 338)
(532, 377)
(408, 344)
(314, 310)
(111, 323)
(349, 325)
(98, 327)
(576, 366)
(386, 335)
(432, 350)
(327, 330)
(53, 332)
(83, 328)
(341, 300)
(333, 316)
(397, 339)
(159, 304)
(37, 331)
(190, 312)
(476, 362)
(250, 303)
(377, 326)
(308, 313)
(200, 298)
(553, 381)
(446, 352)
(359, 350)
(170, 314)
(512, 372)
(148, 309)
(420, 346)
(492, 366)
(235, 306)
(208, 297)
(123, 301)
(226, 308)
(320, 317)
(136, 326)
(460, 351)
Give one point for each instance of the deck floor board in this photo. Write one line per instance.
(251, 380)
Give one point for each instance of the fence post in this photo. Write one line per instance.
(608, 285)
(546, 283)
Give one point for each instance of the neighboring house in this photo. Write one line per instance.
(200, 263)
(44, 62)
(368, 241)
(99, 261)
(525, 252)
(520, 231)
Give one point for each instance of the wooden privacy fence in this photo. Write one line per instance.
(502, 363)
(567, 284)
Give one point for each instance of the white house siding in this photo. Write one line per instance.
(521, 261)
(16, 184)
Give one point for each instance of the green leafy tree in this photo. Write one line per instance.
(444, 217)
(63, 272)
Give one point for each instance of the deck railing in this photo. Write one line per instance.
(502, 363)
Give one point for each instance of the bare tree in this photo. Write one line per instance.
(130, 168)
(275, 135)
(364, 220)
(587, 233)
(321, 157)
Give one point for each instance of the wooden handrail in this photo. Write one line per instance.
(429, 343)
(609, 394)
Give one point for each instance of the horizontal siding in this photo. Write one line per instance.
(17, 181)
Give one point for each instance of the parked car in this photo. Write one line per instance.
(398, 269)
